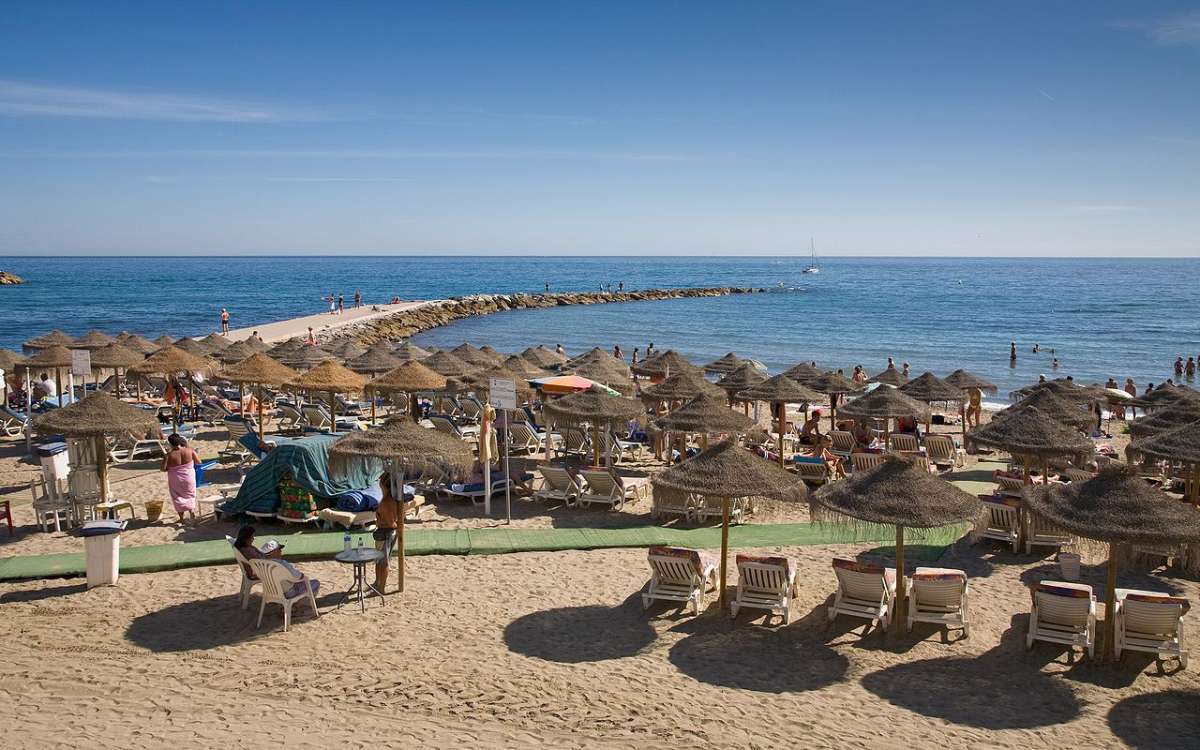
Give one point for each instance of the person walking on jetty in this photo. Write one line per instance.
(357, 298)
(341, 304)
(332, 300)
(224, 320)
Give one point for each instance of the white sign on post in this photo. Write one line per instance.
(81, 362)
(503, 393)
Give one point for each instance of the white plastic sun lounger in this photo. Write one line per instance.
(679, 575)
(1151, 622)
(939, 596)
(865, 591)
(767, 583)
(1063, 613)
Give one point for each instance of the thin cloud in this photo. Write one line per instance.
(352, 154)
(1106, 208)
(1176, 31)
(1043, 93)
(20, 99)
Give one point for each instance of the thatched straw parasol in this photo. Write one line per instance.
(543, 357)
(1167, 396)
(968, 382)
(256, 342)
(447, 364)
(397, 445)
(47, 340)
(406, 350)
(804, 373)
(53, 357)
(1165, 418)
(1180, 444)
(780, 391)
(1115, 507)
(899, 493)
(171, 360)
(374, 360)
(475, 357)
(706, 414)
(306, 357)
(1029, 432)
(480, 381)
(891, 376)
(94, 417)
(137, 343)
(724, 365)
(1063, 388)
(214, 342)
(163, 340)
(116, 358)
(93, 339)
(344, 348)
(596, 408)
(192, 346)
(332, 378)
(886, 403)
(833, 385)
(929, 388)
(235, 352)
(408, 378)
(9, 361)
(524, 367)
(728, 471)
(284, 348)
(1055, 407)
(589, 356)
(680, 386)
(664, 364)
(745, 376)
(260, 370)
(609, 372)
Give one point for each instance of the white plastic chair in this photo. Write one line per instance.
(277, 580)
(678, 575)
(865, 591)
(939, 596)
(1151, 622)
(248, 580)
(765, 583)
(1063, 613)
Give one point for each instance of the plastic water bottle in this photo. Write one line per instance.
(360, 541)
(346, 541)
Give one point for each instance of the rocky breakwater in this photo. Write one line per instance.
(440, 312)
(8, 279)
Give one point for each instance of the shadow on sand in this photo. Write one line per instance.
(220, 621)
(571, 635)
(1168, 719)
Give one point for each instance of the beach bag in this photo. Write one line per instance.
(295, 501)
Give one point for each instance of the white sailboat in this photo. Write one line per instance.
(812, 263)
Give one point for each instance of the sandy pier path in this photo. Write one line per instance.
(322, 322)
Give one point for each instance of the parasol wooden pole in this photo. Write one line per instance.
(596, 444)
(833, 399)
(901, 587)
(724, 549)
(781, 420)
(261, 432)
(242, 400)
(332, 411)
(1110, 604)
(372, 397)
(102, 467)
(1045, 471)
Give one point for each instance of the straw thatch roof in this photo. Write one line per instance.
(928, 387)
(407, 377)
(163, 340)
(524, 367)
(965, 380)
(780, 389)
(257, 343)
(306, 357)
(215, 342)
(401, 440)
(375, 360)
(406, 350)
(97, 414)
(47, 340)
(724, 365)
(259, 369)
(1165, 418)
(1178, 444)
(235, 352)
(285, 348)
(590, 355)
(1055, 407)
(1166, 395)
(51, 356)
(329, 376)
(890, 376)
(543, 357)
(680, 386)
(606, 372)
(9, 360)
(665, 363)
(728, 470)
(804, 373)
(1030, 432)
(479, 380)
(1063, 388)
(885, 403)
(593, 407)
(898, 492)
(344, 348)
(705, 413)
(740, 379)
(115, 356)
(137, 343)
(447, 364)
(832, 382)
(93, 339)
(170, 360)
(192, 346)
(1115, 506)
(475, 357)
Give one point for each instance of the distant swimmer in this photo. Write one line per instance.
(1054, 364)
(1012, 350)
(1036, 347)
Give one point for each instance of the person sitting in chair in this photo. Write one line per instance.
(272, 550)
(810, 432)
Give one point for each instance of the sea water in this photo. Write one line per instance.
(1098, 317)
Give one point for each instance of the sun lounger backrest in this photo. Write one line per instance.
(441, 424)
(559, 479)
(1000, 516)
(764, 573)
(939, 448)
(860, 580)
(861, 461)
(1158, 615)
(601, 483)
(675, 564)
(902, 443)
(843, 441)
(939, 587)
(520, 434)
(1063, 605)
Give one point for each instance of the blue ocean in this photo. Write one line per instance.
(1098, 317)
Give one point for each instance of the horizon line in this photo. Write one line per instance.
(796, 256)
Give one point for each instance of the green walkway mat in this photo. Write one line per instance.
(926, 546)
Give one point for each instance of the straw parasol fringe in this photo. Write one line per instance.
(447, 364)
(664, 364)
(891, 376)
(706, 413)
(47, 340)
(406, 350)
(93, 339)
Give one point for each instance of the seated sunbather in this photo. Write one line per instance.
(270, 551)
(834, 463)
(810, 433)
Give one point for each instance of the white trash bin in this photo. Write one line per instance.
(102, 551)
(1068, 565)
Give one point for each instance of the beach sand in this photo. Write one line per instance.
(545, 649)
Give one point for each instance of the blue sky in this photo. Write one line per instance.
(601, 128)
